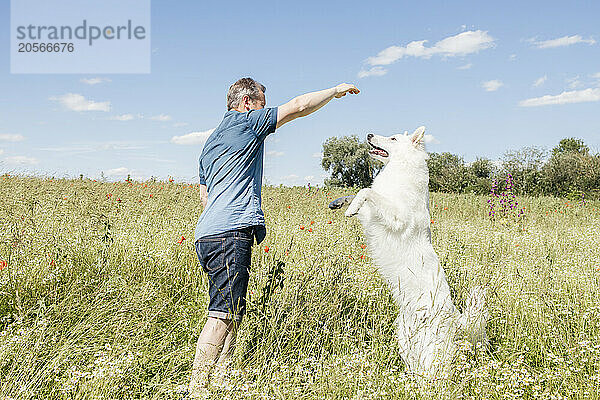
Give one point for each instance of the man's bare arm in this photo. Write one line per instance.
(203, 196)
(310, 102)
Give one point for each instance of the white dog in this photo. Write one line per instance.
(395, 216)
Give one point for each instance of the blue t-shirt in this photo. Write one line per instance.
(231, 167)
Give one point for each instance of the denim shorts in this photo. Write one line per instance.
(225, 257)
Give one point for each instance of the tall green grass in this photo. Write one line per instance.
(101, 298)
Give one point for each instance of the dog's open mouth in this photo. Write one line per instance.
(378, 151)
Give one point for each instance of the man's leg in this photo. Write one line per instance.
(215, 338)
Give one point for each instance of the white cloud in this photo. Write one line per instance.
(540, 81)
(274, 153)
(575, 96)
(459, 45)
(317, 155)
(430, 139)
(492, 86)
(192, 138)
(574, 83)
(122, 171)
(94, 147)
(290, 179)
(512, 57)
(76, 102)
(161, 118)
(11, 137)
(373, 71)
(466, 66)
(94, 81)
(561, 42)
(309, 178)
(125, 117)
(180, 124)
(596, 75)
(21, 160)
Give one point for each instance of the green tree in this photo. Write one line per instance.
(571, 145)
(572, 171)
(349, 162)
(525, 166)
(448, 173)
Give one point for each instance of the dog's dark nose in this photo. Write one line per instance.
(370, 136)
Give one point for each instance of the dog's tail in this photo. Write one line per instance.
(473, 320)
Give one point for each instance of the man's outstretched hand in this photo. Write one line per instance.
(344, 88)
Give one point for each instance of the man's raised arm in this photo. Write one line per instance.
(310, 102)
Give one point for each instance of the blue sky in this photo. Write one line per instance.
(489, 78)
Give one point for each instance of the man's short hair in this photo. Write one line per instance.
(243, 87)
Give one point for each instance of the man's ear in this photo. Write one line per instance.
(417, 136)
(246, 103)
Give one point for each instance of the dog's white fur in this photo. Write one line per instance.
(394, 213)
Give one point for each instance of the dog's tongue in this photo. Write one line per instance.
(379, 152)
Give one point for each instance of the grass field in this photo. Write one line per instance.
(101, 296)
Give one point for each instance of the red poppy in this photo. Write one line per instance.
(312, 222)
(151, 196)
(118, 199)
(3, 264)
(362, 246)
(432, 221)
(329, 222)
(266, 249)
(362, 257)
(181, 240)
(289, 207)
(301, 227)
(310, 229)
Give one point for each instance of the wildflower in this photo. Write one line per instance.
(312, 222)
(301, 227)
(362, 257)
(108, 195)
(432, 221)
(310, 229)
(150, 195)
(289, 207)
(118, 200)
(3, 264)
(329, 222)
(445, 208)
(362, 246)
(181, 240)
(266, 249)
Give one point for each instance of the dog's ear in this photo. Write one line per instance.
(405, 133)
(417, 136)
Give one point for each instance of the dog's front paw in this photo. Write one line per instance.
(351, 212)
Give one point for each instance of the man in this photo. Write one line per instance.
(231, 168)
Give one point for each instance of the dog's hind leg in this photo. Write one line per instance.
(473, 320)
